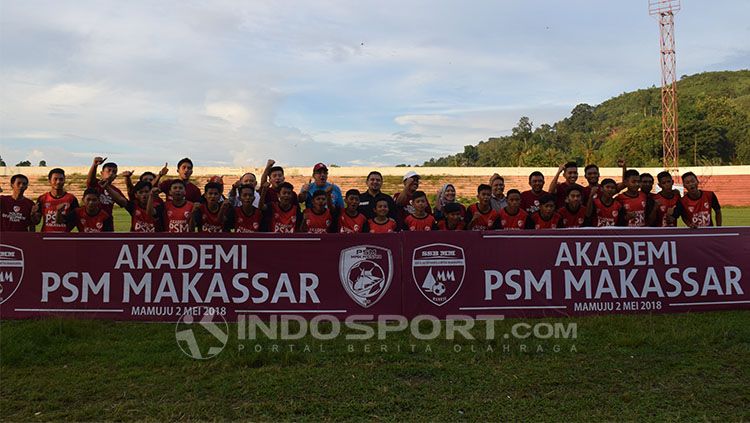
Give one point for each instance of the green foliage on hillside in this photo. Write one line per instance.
(714, 129)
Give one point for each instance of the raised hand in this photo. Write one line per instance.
(270, 163)
(164, 170)
(620, 162)
(126, 174)
(99, 160)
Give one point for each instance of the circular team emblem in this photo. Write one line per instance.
(202, 337)
(438, 270)
(365, 272)
(11, 270)
(16, 209)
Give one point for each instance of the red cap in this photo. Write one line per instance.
(319, 166)
(216, 179)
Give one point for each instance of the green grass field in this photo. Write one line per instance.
(660, 367)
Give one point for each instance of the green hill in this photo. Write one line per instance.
(714, 128)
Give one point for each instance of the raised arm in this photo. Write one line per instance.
(262, 200)
(150, 210)
(91, 177)
(621, 184)
(267, 170)
(553, 184)
(116, 196)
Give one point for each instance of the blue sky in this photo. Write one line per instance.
(344, 82)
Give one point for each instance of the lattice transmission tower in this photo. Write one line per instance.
(665, 10)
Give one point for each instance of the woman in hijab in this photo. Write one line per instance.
(445, 195)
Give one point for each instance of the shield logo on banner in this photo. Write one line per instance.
(438, 271)
(366, 272)
(11, 270)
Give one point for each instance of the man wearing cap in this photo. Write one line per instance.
(403, 198)
(320, 182)
(368, 198)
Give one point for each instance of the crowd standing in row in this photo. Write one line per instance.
(178, 205)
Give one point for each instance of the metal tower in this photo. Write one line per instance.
(665, 10)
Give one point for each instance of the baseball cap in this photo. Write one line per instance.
(217, 179)
(319, 166)
(411, 174)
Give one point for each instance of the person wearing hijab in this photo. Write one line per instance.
(445, 195)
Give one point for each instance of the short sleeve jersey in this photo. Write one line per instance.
(16, 214)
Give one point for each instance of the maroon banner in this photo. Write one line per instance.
(576, 272)
(162, 277)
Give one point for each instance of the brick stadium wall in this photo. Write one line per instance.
(729, 182)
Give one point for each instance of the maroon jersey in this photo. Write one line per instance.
(408, 209)
(351, 225)
(561, 193)
(209, 221)
(413, 223)
(635, 205)
(606, 215)
(663, 204)
(572, 219)
(486, 220)
(318, 223)
(106, 202)
(377, 228)
(88, 223)
(536, 221)
(284, 221)
(48, 204)
(177, 219)
(698, 212)
(244, 223)
(16, 214)
(512, 221)
(530, 200)
(443, 226)
(192, 192)
(140, 221)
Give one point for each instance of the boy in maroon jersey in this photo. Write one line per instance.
(452, 220)
(105, 199)
(637, 208)
(18, 212)
(695, 207)
(666, 201)
(245, 218)
(573, 213)
(275, 176)
(602, 209)
(149, 177)
(480, 216)
(350, 220)
(211, 215)
(647, 183)
(530, 198)
(513, 216)
(89, 218)
(570, 174)
(177, 213)
(591, 173)
(48, 203)
(420, 220)
(184, 171)
(381, 223)
(545, 217)
(140, 208)
(283, 216)
(318, 219)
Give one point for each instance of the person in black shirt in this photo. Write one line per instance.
(368, 198)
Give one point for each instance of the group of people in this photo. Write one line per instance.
(178, 205)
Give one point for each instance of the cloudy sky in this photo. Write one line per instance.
(345, 82)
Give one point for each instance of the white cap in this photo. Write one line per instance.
(410, 174)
